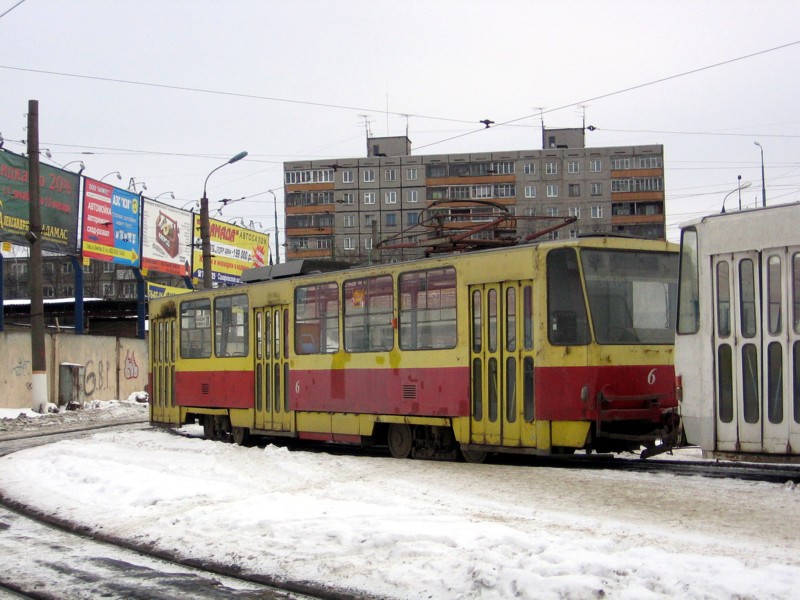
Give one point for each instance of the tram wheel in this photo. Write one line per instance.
(241, 435)
(209, 428)
(400, 440)
(474, 456)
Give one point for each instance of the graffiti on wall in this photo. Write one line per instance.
(131, 368)
(22, 367)
(98, 377)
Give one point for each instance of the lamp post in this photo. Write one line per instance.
(763, 183)
(277, 251)
(205, 225)
(117, 173)
(739, 189)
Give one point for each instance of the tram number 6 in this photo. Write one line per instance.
(651, 377)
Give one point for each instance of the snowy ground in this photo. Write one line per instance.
(416, 529)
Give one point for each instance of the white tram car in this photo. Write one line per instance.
(737, 352)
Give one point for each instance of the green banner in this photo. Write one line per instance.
(58, 197)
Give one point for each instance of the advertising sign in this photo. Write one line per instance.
(156, 290)
(166, 239)
(111, 223)
(233, 249)
(58, 197)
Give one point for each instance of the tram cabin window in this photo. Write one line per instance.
(316, 310)
(567, 320)
(428, 309)
(196, 329)
(231, 326)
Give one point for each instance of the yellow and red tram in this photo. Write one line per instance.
(542, 348)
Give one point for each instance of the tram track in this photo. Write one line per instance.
(60, 556)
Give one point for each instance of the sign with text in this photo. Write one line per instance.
(58, 197)
(156, 290)
(111, 223)
(166, 239)
(233, 249)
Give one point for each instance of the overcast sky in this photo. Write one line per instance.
(164, 92)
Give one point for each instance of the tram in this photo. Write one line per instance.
(543, 348)
(738, 336)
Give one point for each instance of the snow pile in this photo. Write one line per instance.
(416, 529)
(134, 408)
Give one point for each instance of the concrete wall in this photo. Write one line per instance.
(114, 367)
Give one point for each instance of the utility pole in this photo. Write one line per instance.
(34, 236)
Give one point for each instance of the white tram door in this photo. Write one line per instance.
(780, 335)
(496, 363)
(737, 343)
(272, 369)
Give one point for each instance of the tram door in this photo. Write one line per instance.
(497, 362)
(751, 343)
(272, 369)
(780, 269)
(163, 408)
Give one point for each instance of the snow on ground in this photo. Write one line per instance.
(418, 529)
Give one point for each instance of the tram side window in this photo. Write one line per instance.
(689, 285)
(231, 326)
(567, 320)
(316, 327)
(796, 292)
(368, 312)
(196, 329)
(428, 309)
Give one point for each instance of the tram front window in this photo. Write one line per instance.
(632, 295)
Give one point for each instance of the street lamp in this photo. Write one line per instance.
(205, 224)
(117, 173)
(739, 189)
(763, 183)
(171, 195)
(133, 183)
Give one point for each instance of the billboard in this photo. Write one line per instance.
(233, 249)
(111, 224)
(58, 197)
(157, 290)
(166, 239)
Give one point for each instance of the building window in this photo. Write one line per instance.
(620, 162)
(412, 196)
(530, 191)
(108, 290)
(19, 268)
(66, 268)
(391, 219)
(347, 176)
(650, 162)
(349, 221)
(551, 168)
(552, 211)
(552, 190)
(573, 166)
(411, 173)
(348, 198)
(529, 168)
(369, 197)
(349, 244)
(390, 197)
(369, 175)
(412, 218)
(574, 190)
(108, 267)
(48, 291)
(128, 290)
(501, 168)
(368, 243)
(597, 189)
(595, 165)
(575, 211)
(390, 174)
(597, 212)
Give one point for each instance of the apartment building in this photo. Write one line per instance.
(343, 208)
